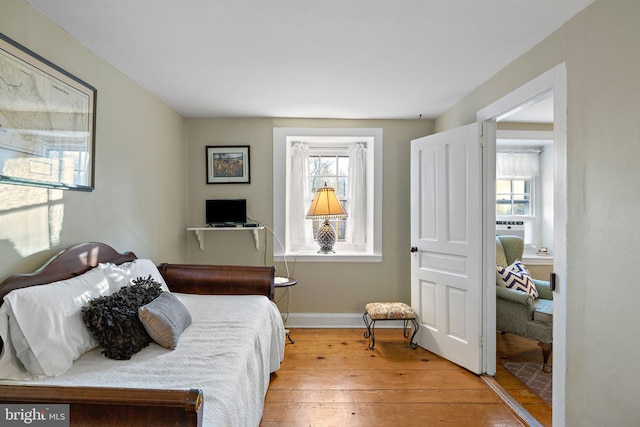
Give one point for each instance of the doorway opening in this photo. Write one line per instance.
(524, 205)
(495, 119)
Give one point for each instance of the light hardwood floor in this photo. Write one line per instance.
(330, 378)
(512, 348)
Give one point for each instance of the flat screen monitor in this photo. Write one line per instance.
(226, 211)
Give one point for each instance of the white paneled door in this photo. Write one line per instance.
(446, 244)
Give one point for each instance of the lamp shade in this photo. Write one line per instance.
(326, 205)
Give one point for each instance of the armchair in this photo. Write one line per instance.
(518, 312)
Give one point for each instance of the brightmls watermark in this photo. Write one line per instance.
(34, 415)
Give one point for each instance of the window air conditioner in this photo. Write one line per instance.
(511, 228)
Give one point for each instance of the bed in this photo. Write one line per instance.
(217, 375)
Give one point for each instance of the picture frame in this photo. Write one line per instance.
(228, 164)
(47, 122)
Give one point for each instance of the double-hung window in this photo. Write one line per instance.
(348, 160)
(516, 172)
(330, 168)
(514, 196)
(517, 175)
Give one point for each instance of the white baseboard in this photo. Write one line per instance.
(334, 320)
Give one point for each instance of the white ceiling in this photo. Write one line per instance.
(309, 58)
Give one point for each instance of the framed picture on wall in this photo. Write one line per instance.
(228, 164)
(47, 122)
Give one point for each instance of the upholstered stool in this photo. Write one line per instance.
(375, 311)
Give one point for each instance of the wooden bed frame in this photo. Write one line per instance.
(107, 406)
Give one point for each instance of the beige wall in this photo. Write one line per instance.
(322, 287)
(601, 49)
(140, 198)
(138, 202)
(540, 272)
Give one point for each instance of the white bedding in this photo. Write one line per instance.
(229, 351)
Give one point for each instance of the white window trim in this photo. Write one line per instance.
(280, 208)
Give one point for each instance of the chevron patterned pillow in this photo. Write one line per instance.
(516, 276)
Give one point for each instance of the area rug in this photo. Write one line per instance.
(533, 377)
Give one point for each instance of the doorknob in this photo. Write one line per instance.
(552, 281)
(414, 249)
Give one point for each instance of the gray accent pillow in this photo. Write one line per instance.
(165, 318)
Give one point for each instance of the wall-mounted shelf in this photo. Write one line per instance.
(200, 233)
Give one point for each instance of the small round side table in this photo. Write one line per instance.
(286, 282)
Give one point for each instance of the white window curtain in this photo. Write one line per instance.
(357, 219)
(517, 164)
(298, 194)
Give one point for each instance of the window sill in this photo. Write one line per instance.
(515, 217)
(337, 257)
(532, 258)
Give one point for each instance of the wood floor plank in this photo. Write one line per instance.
(311, 339)
(359, 379)
(330, 378)
(540, 411)
(524, 395)
(349, 346)
(390, 414)
(344, 333)
(333, 360)
(382, 396)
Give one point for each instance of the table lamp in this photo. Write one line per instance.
(325, 205)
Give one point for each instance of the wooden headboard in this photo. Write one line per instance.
(69, 263)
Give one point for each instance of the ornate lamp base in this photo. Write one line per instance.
(326, 238)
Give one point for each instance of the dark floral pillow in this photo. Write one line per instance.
(113, 320)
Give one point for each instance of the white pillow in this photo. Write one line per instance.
(121, 275)
(45, 322)
(10, 366)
